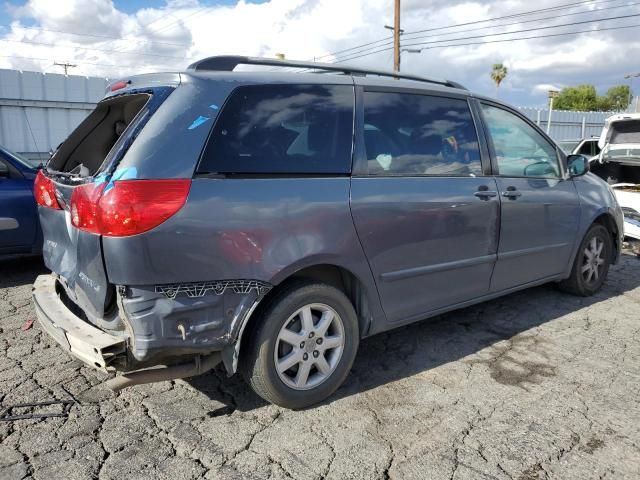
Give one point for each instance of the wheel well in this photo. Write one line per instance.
(333, 275)
(346, 282)
(608, 222)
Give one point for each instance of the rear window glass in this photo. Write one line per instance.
(627, 131)
(86, 149)
(305, 129)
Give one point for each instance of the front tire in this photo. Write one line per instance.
(591, 265)
(303, 346)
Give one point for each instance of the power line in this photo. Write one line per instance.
(502, 40)
(66, 66)
(106, 37)
(181, 19)
(43, 44)
(83, 63)
(488, 34)
(531, 12)
(352, 48)
(619, 17)
(111, 37)
(515, 15)
(500, 33)
(168, 14)
(527, 21)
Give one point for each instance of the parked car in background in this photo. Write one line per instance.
(585, 146)
(619, 165)
(271, 220)
(20, 232)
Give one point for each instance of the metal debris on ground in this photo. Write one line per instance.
(5, 415)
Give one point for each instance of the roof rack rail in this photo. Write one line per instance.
(227, 63)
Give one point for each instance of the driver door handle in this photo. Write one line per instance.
(512, 193)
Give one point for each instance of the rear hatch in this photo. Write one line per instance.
(620, 139)
(82, 169)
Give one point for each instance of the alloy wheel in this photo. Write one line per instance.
(309, 346)
(592, 263)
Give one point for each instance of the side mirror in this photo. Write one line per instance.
(578, 165)
(4, 170)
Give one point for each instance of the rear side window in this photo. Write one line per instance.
(291, 129)
(409, 134)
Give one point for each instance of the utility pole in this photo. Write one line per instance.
(396, 36)
(631, 77)
(66, 66)
(397, 31)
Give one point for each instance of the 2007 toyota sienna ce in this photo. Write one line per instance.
(270, 220)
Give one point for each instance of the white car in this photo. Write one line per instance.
(585, 146)
(619, 164)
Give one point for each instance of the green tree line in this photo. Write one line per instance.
(585, 98)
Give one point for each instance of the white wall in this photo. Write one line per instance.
(38, 111)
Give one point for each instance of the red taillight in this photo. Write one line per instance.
(119, 85)
(126, 207)
(84, 207)
(45, 192)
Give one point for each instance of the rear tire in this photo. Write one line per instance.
(303, 345)
(591, 264)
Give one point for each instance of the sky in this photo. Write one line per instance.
(117, 38)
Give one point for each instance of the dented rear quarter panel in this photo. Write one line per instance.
(247, 228)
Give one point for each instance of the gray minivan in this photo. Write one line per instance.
(270, 220)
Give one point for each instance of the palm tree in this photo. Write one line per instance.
(498, 74)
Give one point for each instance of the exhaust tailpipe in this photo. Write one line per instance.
(199, 366)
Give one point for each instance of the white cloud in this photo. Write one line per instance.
(172, 36)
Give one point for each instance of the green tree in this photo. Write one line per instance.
(584, 98)
(616, 99)
(581, 98)
(498, 74)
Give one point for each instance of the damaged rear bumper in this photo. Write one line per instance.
(156, 325)
(84, 341)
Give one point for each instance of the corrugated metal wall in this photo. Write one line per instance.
(38, 111)
(568, 125)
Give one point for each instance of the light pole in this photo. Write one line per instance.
(630, 77)
(552, 94)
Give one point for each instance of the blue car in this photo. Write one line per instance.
(20, 232)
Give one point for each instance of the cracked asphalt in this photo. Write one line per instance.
(535, 385)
